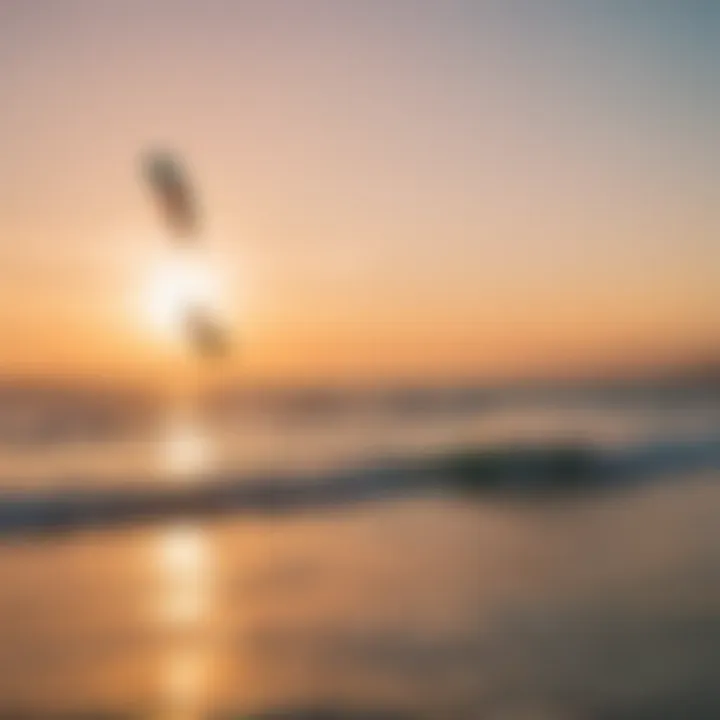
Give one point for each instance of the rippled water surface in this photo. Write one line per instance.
(438, 605)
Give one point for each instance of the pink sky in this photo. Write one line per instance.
(414, 188)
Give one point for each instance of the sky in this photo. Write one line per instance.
(393, 189)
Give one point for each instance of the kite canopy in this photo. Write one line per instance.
(173, 194)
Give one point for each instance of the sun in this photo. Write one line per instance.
(178, 281)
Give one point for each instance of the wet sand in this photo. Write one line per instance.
(436, 607)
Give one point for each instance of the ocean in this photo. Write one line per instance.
(304, 556)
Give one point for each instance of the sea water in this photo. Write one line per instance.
(437, 604)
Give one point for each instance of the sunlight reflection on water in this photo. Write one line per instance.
(184, 560)
(184, 565)
(186, 449)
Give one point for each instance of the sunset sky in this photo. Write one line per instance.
(436, 189)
